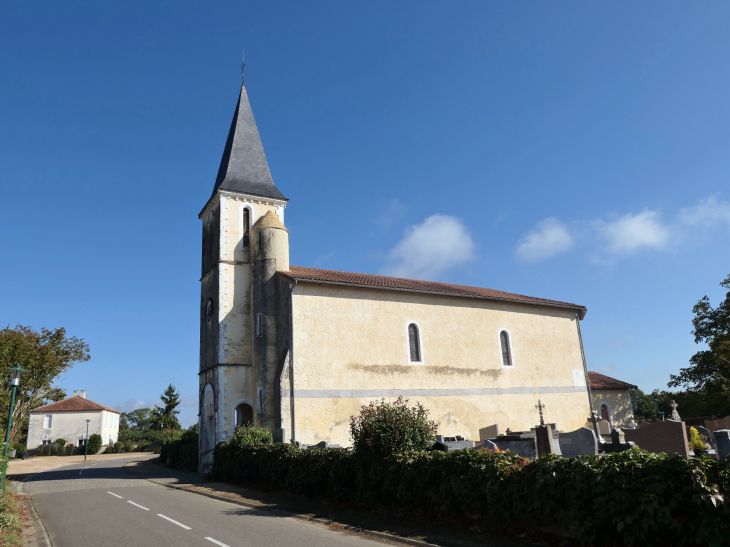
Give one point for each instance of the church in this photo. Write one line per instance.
(299, 350)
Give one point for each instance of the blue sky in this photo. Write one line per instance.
(574, 151)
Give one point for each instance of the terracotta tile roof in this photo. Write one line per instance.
(74, 404)
(414, 285)
(601, 381)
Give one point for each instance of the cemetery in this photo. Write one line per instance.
(638, 486)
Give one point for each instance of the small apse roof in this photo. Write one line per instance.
(601, 381)
(414, 285)
(244, 168)
(74, 404)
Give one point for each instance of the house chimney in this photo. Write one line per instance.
(83, 393)
(76, 392)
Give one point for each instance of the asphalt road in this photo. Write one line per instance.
(102, 505)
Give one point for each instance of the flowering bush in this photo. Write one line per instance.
(384, 429)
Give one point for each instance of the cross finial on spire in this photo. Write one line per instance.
(243, 78)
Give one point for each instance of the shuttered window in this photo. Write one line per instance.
(246, 227)
(506, 350)
(413, 343)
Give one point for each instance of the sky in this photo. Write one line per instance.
(576, 151)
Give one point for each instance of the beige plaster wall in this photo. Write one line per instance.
(356, 339)
(64, 425)
(618, 401)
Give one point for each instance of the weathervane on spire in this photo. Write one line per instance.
(243, 78)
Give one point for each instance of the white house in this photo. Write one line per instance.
(67, 420)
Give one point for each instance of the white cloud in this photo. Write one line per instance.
(707, 213)
(632, 232)
(547, 239)
(441, 242)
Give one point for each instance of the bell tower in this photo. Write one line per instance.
(243, 239)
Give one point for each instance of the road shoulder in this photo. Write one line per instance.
(406, 530)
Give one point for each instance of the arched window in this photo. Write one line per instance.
(414, 344)
(506, 349)
(246, 227)
(605, 413)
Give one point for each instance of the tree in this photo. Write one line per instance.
(139, 419)
(166, 417)
(709, 370)
(46, 354)
(94, 444)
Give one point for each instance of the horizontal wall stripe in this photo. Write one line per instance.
(365, 393)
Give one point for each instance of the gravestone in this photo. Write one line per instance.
(668, 436)
(604, 427)
(490, 432)
(522, 444)
(722, 437)
(675, 415)
(448, 445)
(489, 445)
(580, 442)
(546, 440)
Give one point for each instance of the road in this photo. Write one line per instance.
(101, 504)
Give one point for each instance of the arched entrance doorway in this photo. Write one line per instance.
(243, 414)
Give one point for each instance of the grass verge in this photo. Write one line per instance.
(11, 525)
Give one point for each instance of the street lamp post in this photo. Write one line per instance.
(86, 444)
(16, 371)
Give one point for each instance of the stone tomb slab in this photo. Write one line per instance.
(581, 442)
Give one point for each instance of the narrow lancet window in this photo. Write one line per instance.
(413, 343)
(506, 350)
(246, 227)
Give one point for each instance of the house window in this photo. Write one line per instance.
(246, 221)
(47, 421)
(506, 349)
(414, 343)
(46, 441)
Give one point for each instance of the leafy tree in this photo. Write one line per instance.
(166, 417)
(139, 419)
(709, 370)
(46, 354)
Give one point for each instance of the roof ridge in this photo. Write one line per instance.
(415, 285)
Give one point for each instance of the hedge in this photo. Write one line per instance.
(181, 453)
(629, 498)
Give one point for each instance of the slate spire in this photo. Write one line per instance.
(244, 168)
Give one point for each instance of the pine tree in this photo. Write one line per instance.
(166, 416)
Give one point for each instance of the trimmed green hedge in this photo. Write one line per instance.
(629, 498)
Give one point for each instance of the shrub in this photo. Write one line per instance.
(226, 453)
(118, 447)
(60, 442)
(384, 429)
(183, 452)
(42, 450)
(129, 446)
(94, 443)
(54, 449)
(69, 450)
(696, 441)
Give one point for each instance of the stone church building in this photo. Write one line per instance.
(299, 350)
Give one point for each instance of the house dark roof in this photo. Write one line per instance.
(244, 167)
(74, 404)
(601, 381)
(413, 285)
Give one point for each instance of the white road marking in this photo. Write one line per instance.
(117, 495)
(216, 542)
(137, 505)
(180, 524)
